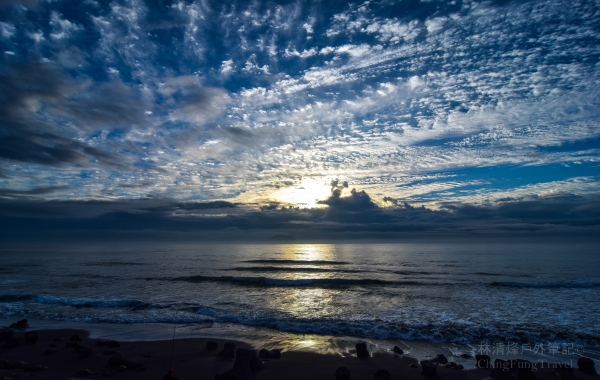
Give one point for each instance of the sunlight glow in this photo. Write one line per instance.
(306, 194)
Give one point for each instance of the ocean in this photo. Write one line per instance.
(463, 294)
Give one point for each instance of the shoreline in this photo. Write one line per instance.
(191, 359)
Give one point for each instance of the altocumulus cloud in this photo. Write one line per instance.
(182, 117)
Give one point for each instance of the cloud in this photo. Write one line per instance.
(32, 4)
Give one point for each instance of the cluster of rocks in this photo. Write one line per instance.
(27, 367)
(246, 361)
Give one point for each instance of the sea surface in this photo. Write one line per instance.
(526, 294)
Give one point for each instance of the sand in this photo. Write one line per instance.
(191, 360)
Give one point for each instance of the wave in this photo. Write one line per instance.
(299, 262)
(408, 323)
(548, 285)
(90, 302)
(292, 269)
(316, 282)
(110, 263)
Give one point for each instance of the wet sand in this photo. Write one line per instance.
(192, 360)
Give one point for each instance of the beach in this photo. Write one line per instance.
(59, 354)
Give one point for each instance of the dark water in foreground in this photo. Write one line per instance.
(458, 293)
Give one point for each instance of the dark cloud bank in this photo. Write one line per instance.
(346, 218)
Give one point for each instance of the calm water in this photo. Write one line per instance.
(461, 293)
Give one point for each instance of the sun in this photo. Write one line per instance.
(306, 194)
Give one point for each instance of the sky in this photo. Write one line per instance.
(306, 120)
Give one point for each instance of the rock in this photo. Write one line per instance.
(5, 333)
(342, 373)
(84, 372)
(382, 374)
(22, 324)
(241, 366)
(101, 342)
(439, 359)
(397, 350)
(75, 338)
(263, 354)
(459, 366)
(228, 351)
(450, 365)
(274, 354)
(413, 365)
(73, 344)
(106, 374)
(465, 356)
(255, 362)
(31, 337)
(501, 370)
(117, 361)
(586, 365)
(564, 372)
(11, 342)
(50, 351)
(110, 352)
(524, 369)
(113, 344)
(361, 350)
(482, 361)
(211, 345)
(122, 368)
(428, 368)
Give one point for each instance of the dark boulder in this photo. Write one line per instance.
(466, 356)
(482, 361)
(342, 373)
(255, 362)
(11, 342)
(73, 344)
(228, 351)
(586, 365)
(5, 333)
(113, 344)
(501, 370)
(361, 350)
(263, 354)
(101, 342)
(398, 350)
(22, 324)
(439, 359)
(564, 372)
(242, 369)
(75, 338)
(525, 369)
(274, 354)
(31, 337)
(118, 361)
(428, 368)
(413, 365)
(382, 374)
(211, 346)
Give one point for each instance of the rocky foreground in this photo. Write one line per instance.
(68, 354)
